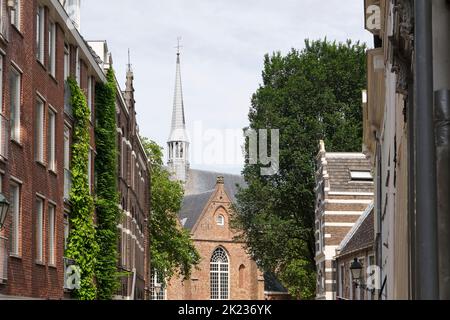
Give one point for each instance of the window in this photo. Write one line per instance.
(360, 175)
(219, 275)
(51, 234)
(220, 220)
(15, 14)
(40, 26)
(66, 61)
(78, 67)
(15, 101)
(157, 287)
(51, 144)
(90, 170)
(89, 95)
(67, 174)
(39, 132)
(241, 276)
(66, 229)
(16, 225)
(39, 230)
(52, 48)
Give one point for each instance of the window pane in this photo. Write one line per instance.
(39, 131)
(39, 229)
(15, 215)
(51, 234)
(51, 140)
(14, 85)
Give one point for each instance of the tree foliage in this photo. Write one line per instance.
(107, 199)
(309, 95)
(171, 247)
(82, 245)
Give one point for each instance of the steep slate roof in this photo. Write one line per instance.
(362, 234)
(339, 166)
(199, 188)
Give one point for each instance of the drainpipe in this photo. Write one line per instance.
(442, 109)
(426, 246)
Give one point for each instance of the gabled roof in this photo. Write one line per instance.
(272, 284)
(361, 235)
(199, 188)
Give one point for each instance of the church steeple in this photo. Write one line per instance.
(129, 96)
(178, 142)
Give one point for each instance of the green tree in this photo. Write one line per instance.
(107, 198)
(309, 95)
(171, 247)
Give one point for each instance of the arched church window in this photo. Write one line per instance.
(181, 150)
(220, 220)
(177, 150)
(219, 275)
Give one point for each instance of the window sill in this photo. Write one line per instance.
(15, 256)
(17, 143)
(52, 266)
(14, 27)
(53, 77)
(39, 263)
(41, 64)
(53, 172)
(40, 163)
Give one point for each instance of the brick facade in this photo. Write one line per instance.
(246, 282)
(24, 276)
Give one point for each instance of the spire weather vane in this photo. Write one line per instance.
(178, 47)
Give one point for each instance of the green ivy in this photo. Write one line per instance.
(107, 200)
(82, 245)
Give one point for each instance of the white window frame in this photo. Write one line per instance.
(220, 220)
(16, 218)
(39, 123)
(216, 272)
(66, 61)
(39, 211)
(90, 96)
(51, 138)
(16, 14)
(51, 216)
(40, 34)
(78, 67)
(15, 103)
(52, 48)
(66, 164)
(361, 175)
(90, 169)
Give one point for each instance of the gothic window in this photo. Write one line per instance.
(219, 275)
(220, 220)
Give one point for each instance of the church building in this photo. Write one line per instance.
(226, 271)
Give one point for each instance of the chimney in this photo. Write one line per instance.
(73, 8)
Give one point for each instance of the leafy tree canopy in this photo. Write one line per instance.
(309, 95)
(171, 247)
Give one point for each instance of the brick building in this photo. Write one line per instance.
(358, 244)
(344, 190)
(226, 271)
(40, 47)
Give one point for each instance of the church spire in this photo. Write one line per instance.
(178, 142)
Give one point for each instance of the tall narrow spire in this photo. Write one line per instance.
(178, 142)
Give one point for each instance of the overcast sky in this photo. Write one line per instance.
(224, 45)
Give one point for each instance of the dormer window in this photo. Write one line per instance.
(220, 220)
(361, 175)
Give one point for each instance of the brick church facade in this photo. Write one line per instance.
(226, 271)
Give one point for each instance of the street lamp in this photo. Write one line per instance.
(4, 207)
(356, 269)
